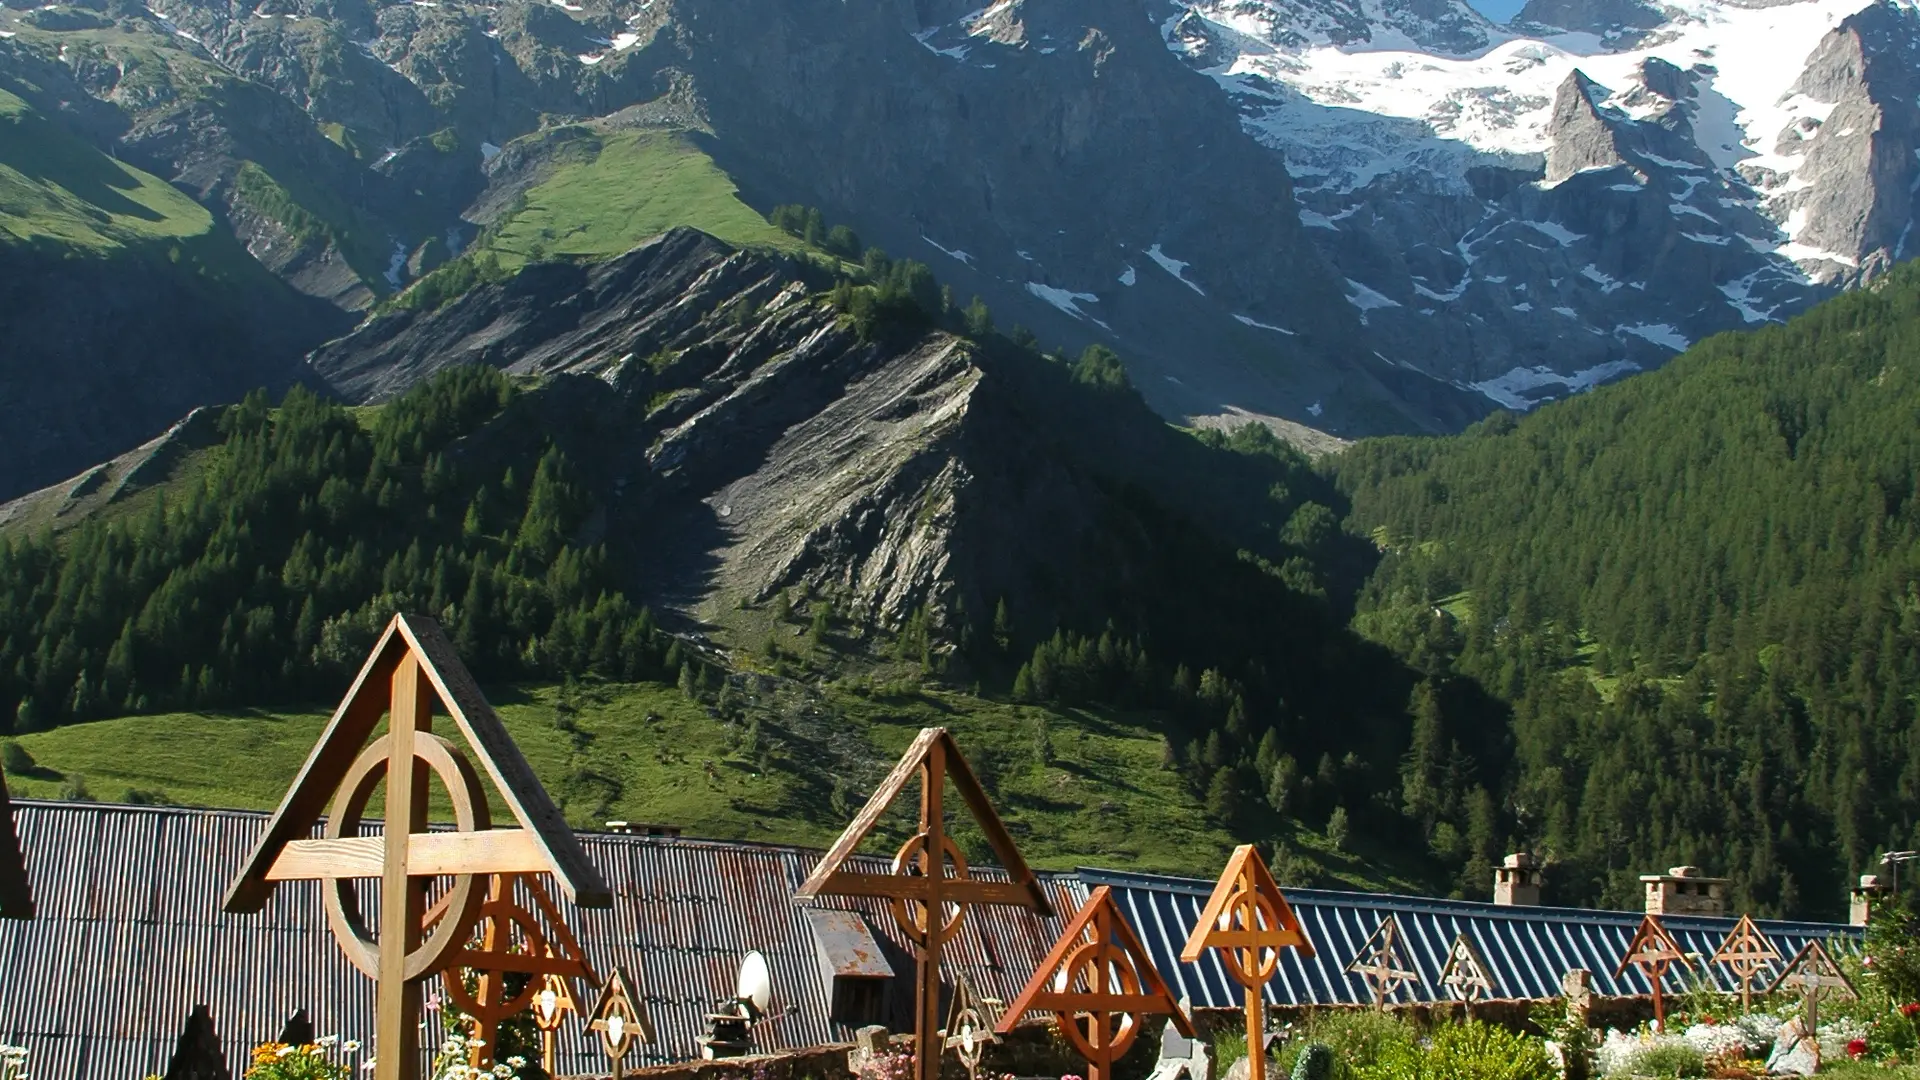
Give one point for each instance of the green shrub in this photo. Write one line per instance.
(1669, 1058)
(1354, 1039)
(1314, 1063)
(14, 759)
(1469, 1051)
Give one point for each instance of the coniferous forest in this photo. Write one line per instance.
(1694, 597)
(273, 576)
(1671, 621)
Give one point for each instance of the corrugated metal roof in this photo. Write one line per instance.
(1526, 949)
(130, 936)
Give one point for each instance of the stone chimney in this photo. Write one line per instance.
(1867, 896)
(1516, 882)
(1684, 890)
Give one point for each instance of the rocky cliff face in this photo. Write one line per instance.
(1551, 209)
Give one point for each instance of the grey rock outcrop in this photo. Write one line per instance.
(1857, 187)
(1580, 138)
(746, 440)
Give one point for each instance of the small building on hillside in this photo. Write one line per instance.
(130, 938)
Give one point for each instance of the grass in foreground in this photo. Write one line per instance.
(643, 752)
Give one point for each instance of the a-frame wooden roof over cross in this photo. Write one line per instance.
(1466, 975)
(1249, 921)
(16, 897)
(412, 669)
(1100, 983)
(1382, 962)
(930, 887)
(1747, 952)
(1653, 950)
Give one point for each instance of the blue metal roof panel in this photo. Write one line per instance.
(1527, 949)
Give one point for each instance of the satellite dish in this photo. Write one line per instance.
(756, 983)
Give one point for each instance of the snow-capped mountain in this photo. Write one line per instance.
(1531, 209)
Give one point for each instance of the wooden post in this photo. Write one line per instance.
(926, 1021)
(396, 1045)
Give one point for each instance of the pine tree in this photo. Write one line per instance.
(1281, 783)
(1223, 796)
(1337, 828)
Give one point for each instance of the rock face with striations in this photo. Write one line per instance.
(746, 439)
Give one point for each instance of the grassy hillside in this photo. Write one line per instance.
(53, 187)
(638, 752)
(607, 192)
(1694, 599)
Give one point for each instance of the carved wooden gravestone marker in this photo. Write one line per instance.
(511, 940)
(929, 888)
(412, 668)
(1747, 952)
(1100, 983)
(1248, 920)
(1382, 963)
(1466, 975)
(969, 1025)
(1653, 951)
(619, 1019)
(550, 1007)
(1813, 973)
(16, 898)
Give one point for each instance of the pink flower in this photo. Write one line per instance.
(1857, 1048)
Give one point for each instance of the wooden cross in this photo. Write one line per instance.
(1248, 920)
(929, 889)
(619, 1019)
(1653, 950)
(1381, 963)
(511, 940)
(1813, 972)
(1100, 983)
(1465, 975)
(969, 1025)
(412, 667)
(1747, 952)
(16, 898)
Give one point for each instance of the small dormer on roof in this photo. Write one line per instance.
(852, 965)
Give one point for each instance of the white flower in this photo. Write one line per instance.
(517, 1061)
(328, 1040)
(367, 1065)
(350, 1046)
(283, 1051)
